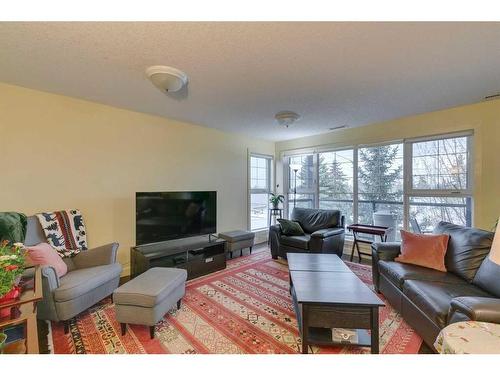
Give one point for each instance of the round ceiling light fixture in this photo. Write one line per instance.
(286, 118)
(166, 78)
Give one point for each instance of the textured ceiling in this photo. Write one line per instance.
(241, 74)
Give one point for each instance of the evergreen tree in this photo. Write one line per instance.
(376, 178)
(332, 180)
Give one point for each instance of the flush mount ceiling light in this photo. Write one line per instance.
(286, 118)
(166, 78)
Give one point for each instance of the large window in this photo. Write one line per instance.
(367, 184)
(260, 187)
(380, 186)
(440, 182)
(336, 183)
(302, 181)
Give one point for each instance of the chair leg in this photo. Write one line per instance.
(178, 304)
(152, 332)
(124, 328)
(250, 249)
(66, 327)
(231, 255)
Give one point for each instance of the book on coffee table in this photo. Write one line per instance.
(344, 336)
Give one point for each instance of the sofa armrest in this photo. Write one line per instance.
(386, 250)
(382, 251)
(274, 240)
(50, 280)
(481, 309)
(275, 229)
(98, 256)
(324, 233)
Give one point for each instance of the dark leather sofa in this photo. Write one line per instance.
(324, 233)
(428, 299)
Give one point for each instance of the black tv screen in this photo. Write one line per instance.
(171, 215)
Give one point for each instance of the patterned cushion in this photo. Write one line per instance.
(65, 231)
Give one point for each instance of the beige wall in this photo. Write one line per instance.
(483, 118)
(59, 152)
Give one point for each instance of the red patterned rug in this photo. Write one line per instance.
(245, 308)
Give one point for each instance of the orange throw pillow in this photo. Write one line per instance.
(423, 250)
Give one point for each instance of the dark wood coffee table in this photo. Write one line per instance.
(330, 296)
(316, 262)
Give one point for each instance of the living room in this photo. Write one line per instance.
(189, 199)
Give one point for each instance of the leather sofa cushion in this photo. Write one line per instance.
(399, 272)
(312, 220)
(300, 242)
(488, 277)
(434, 298)
(79, 282)
(467, 248)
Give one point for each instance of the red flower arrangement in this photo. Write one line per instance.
(12, 260)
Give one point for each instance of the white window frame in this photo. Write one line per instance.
(408, 190)
(268, 191)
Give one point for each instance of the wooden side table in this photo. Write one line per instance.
(469, 338)
(23, 312)
(374, 230)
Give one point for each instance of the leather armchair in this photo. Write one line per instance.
(324, 233)
(92, 276)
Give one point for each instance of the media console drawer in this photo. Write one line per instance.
(202, 267)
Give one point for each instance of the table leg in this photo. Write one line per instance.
(303, 331)
(353, 246)
(357, 248)
(374, 330)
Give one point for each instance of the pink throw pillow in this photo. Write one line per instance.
(424, 250)
(45, 255)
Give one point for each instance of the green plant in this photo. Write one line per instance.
(12, 260)
(276, 199)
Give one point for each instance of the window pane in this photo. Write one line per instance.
(260, 185)
(258, 210)
(336, 182)
(426, 212)
(380, 186)
(440, 164)
(304, 165)
(302, 200)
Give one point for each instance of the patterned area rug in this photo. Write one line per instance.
(245, 308)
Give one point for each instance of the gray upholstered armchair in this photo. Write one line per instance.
(92, 275)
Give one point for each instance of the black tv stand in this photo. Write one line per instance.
(198, 255)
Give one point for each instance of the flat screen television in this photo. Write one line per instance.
(163, 216)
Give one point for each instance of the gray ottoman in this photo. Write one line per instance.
(238, 240)
(147, 298)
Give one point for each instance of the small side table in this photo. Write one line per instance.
(366, 229)
(469, 338)
(277, 212)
